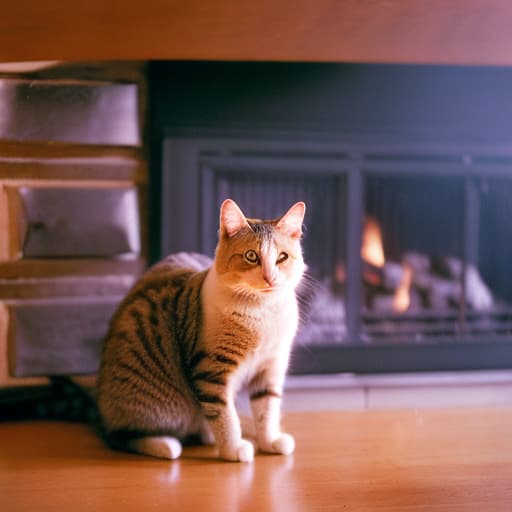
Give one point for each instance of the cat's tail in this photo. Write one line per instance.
(160, 446)
(62, 400)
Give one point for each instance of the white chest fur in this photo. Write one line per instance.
(270, 321)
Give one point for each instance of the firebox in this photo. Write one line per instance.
(407, 236)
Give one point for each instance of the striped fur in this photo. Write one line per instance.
(187, 338)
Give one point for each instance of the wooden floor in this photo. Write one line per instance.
(421, 460)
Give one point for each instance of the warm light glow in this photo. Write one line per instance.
(402, 298)
(26, 67)
(372, 250)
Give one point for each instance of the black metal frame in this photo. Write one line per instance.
(190, 160)
(486, 354)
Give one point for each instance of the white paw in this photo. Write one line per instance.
(284, 445)
(242, 452)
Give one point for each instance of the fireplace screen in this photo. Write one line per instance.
(408, 248)
(267, 195)
(429, 254)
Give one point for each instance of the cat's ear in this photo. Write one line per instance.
(232, 220)
(291, 222)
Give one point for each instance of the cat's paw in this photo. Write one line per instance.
(284, 445)
(242, 452)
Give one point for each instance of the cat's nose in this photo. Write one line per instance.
(268, 272)
(269, 278)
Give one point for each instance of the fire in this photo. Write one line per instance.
(372, 249)
(402, 298)
(372, 252)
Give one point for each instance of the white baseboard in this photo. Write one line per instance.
(419, 390)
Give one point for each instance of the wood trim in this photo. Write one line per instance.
(35, 150)
(121, 72)
(5, 379)
(16, 233)
(69, 162)
(70, 267)
(5, 231)
(69, 286)
(96, 172)
(423, 31)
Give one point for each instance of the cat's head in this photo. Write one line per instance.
(257, 257)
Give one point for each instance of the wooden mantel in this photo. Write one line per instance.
(398, 31)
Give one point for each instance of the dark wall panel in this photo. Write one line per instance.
(439, 102)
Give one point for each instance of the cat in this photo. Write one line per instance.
(184, 341)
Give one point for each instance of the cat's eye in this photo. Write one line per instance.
(251, 256)
(282, 257)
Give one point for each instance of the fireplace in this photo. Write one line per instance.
(407, 175)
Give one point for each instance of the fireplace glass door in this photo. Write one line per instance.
(408, 248)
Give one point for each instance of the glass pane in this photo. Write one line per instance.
(268, 195)
(489, 283)
(412, 258)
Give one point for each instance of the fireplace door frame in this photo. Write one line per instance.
(189, 161)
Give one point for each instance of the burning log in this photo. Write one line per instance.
(389, 282)
(388, 276)
(437, 282)
(394, 303)
(448, 267)
(382, 286)
(438, 292)
(478, 294)
(381, 302)
(442, 286)
(418, 262)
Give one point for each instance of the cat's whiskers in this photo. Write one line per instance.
(242, 292)
(306, 293)
(249, 297)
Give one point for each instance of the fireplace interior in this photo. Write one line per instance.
(407, 176)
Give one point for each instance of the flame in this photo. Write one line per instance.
(402, 298)
(372, 249)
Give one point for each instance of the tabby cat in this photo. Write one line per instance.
(184, 341)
